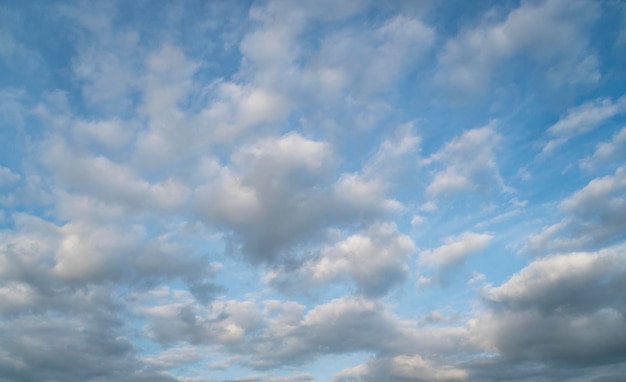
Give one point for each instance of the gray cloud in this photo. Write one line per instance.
(50, 348)
(273, 333)
(401, 368)
(281, 191)
(559, 312)
(375, 260)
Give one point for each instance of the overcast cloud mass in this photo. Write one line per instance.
(358, 190)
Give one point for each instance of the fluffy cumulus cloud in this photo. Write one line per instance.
(269, 333)
(279, 192)
(263, 191)
(560, 310)
(374, 260)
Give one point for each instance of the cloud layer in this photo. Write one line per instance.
(322, 191)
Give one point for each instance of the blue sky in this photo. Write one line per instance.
(313, 191)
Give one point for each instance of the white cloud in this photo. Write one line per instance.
(8, 177)
(87, 253)
(606, 151)
(273, 332)
(51, 257)
(356, 191)
(164, 85)
(456, 249)
(343, 71)
(223, 322)
(469, 161)
(594, 217)
(552, 33)
(76, 207)
(375, 59)
(417, 220)
(108, 59)
(550, 282)
(582, 119)
(375, 259)
(598, 193)
(266, 183)
(17, 296)
(238, 204)
(429, 206)
(111, 134)
(235, 140)
(394, 153)
(110, 182)
(237, 108)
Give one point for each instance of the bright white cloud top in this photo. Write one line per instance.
(313, 191)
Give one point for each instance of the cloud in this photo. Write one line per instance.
(20, 59)
(108, 60)
(47, 263)
(110, 182)
(337, 73)
(570, 302)
(375, 260)
(31, 351)
(594, 218)
(237, 108)
(401, 368)
(105, 246)
(110, 134)
(606, 151)
(549, 284)
(375, 59)
(279, 192)
(165, 83)
(342, 326)
(552, 34)
(174, 357)
(469, 161)
(559, 310)
(302, 377)
(233, 189)
(455, 250)
(8, 177)
(272, 333)
(390, 160)
(582, 119)
(61, 319)
(377, 56)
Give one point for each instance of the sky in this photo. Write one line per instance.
(302, 191)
